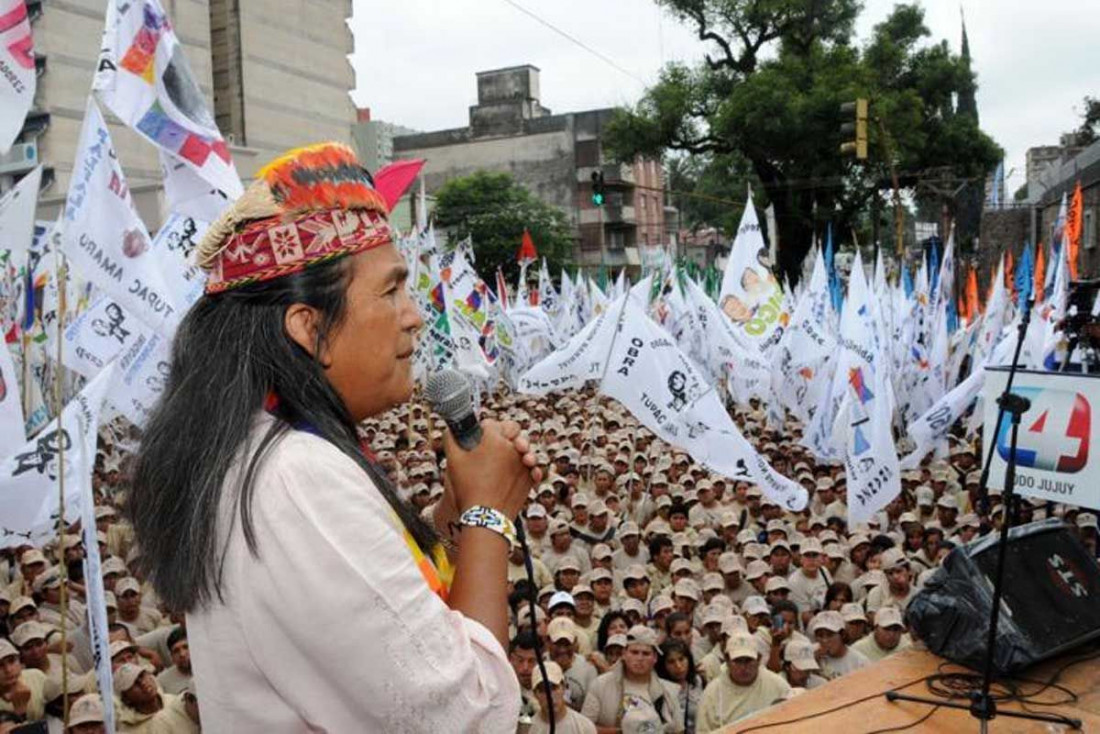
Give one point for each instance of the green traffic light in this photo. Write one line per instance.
(597, 199)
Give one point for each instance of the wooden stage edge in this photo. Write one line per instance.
(858, 704)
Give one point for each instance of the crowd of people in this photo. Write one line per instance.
(672, 599)
(667, 598)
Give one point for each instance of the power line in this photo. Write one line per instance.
(606, 59)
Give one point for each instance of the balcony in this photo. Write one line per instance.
(614, 174)
(610, 214)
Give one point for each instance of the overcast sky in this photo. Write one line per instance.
(415, 60)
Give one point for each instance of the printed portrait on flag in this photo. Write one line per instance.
(143, 76)
(757, 283)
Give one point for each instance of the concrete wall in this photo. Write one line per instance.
(543, 163)
(296, 74)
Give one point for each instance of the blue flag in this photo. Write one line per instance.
(1025, 275)
(906, 280)
(830, 267)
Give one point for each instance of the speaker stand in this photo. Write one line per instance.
(982, 705)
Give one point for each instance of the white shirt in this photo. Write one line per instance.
(333, 628)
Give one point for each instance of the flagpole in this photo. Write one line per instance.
(26, 372)
(62, 567)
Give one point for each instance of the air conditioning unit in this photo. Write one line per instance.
(21, 158)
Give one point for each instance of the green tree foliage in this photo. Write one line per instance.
(770, 94)
(1089, 132)
(493, 210)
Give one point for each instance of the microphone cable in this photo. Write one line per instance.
(533, 600)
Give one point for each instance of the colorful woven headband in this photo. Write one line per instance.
(310, 205)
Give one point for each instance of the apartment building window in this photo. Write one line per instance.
(1088, 225)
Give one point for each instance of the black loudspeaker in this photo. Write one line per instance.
(1051, 599)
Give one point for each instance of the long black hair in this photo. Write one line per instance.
(230, 352)
(670, 646)
(602, 634)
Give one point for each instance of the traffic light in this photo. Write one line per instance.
(858, 128)
(597, 188)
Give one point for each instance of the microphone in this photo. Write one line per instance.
(448, 392)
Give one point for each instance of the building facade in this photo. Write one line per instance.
(554, 156)
(264, 98)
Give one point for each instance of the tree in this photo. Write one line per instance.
(492, 209)
(771, 91)
(1089, 131)
(709, 190)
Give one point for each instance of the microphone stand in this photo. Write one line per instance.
(532, 605)
(983, 706)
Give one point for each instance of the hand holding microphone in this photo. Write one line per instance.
(488, 463)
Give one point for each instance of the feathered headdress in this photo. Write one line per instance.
(308, 205)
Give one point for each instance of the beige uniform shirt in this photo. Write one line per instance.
(807, 593)
(172, 680)
(658, 580)
(611, 695)
(147, 620)
(870, 649)
(571, 723)
(578, 679)
(171, 719)
(880, 596)
(833, 668)
(724, 703)
(36, 681)
(620, 561)
(552, 558)
(543, 577)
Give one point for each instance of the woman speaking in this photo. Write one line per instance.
(316, 599)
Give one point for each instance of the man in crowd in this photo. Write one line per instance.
(174, 679)
(834, 655)
(888, 637)
(566, 720)
(633, 688)
(745, 689)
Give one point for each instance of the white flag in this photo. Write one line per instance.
(534, 332)
(17, 213)
(581, 359)
(466, 315)
(806, 348)
(661, 387)
(29, 502)
(143, 374)
(98, 334)
(144, 78)
(751, 296)
(861, 387)
(190, 194)
(172, 246)
(17, 72)
(104, 237)
(12, 426)
(931, 429)
(874, 478)
(639, 365)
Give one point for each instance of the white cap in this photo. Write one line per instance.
(561, 597)
(755, 605)
(800, 654)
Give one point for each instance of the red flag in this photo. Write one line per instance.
(527, 249)
(1010, 276)
(394, 180)
(1073, 229)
